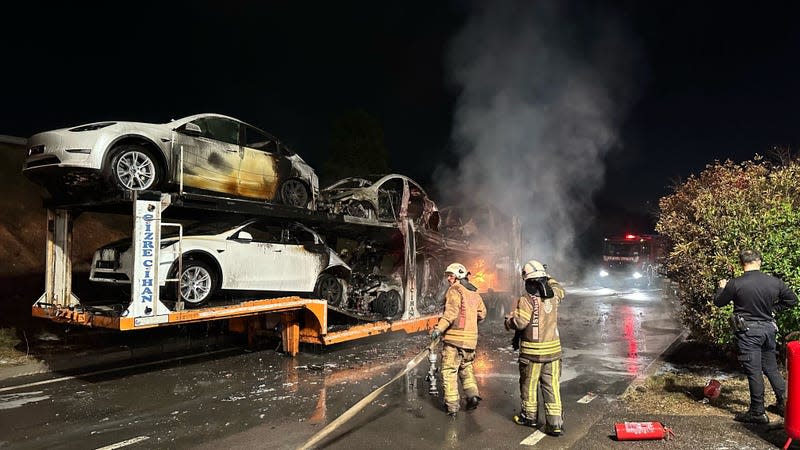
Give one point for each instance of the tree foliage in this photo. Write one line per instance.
(710, 217)
(357, 148)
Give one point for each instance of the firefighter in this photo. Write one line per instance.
(536, 316)
(458, 328)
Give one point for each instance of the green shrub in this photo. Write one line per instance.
(710, 217)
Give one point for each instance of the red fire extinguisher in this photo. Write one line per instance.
(791, 417)
(641, 431)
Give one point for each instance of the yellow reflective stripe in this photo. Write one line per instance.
(524, 314)
(539, 352)
(461, 333)
(530, 405)
(540, 345)
(556, 370)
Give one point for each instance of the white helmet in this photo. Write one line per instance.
(458, 270)
(533, 269)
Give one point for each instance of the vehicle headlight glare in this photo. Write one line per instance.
(637, 275)
(603, 273)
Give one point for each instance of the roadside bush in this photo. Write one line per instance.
(710, 217)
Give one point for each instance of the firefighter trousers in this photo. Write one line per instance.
(531, 374)
(457, 363)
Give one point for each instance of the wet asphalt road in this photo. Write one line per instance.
(262, 399)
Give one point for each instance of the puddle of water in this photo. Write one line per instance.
(10, 401)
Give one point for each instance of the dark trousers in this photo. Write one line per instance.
(757, 355)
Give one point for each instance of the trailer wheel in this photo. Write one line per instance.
(198, 282)
(330, 289)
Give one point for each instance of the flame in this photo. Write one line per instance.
(481, 277)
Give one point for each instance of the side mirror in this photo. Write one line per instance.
(190, 129)
(244, 236)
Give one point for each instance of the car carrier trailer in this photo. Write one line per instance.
(299, 319)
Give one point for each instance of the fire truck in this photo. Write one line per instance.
(631, 260)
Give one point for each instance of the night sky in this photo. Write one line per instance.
(710, 80)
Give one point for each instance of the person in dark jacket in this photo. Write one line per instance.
(756, 296)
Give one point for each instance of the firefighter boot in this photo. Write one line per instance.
(522, 419)
(472, 402)
(553, 430)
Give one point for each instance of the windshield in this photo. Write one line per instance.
(621, 249)
(204, 228)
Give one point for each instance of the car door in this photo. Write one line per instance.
(258, 174)
(212, 160)
(254, 258)
(305, 256)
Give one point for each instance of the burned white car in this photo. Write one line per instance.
(381, 198)
(207, 152)
(255, 255)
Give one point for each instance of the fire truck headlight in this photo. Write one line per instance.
(603, 273)
(637, 275)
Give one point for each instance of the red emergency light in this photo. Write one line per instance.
(630, 236)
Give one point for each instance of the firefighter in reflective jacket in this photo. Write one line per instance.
(458, 328)
(536, 316)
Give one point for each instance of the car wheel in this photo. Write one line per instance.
(198, 282)
(388, 304)
(294, 193)
(330, 289)
(134, 168)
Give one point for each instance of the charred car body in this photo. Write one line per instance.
(208, 152)
(382, 198)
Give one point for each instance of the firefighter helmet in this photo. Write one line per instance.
(458, 270)
(533, 269)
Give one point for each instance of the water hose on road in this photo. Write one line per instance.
(355, 409)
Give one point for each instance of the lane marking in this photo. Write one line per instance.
(125, 443)
(587, 398)
(115, 369)
(533, 439)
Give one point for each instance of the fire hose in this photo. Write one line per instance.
(355, 409)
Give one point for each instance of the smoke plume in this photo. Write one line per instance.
(542, 89)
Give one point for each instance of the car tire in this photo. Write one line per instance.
(134, 168)
(198, 283)
(389, 304)
(330, 289)
(294, 193)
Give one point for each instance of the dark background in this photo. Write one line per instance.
(716, 80)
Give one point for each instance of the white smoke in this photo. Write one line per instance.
(542, 89)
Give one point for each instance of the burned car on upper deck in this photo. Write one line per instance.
(381, 198)
(205, 152)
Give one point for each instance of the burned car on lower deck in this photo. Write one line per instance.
(265, 255)
(205, 152)
(381, 198)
